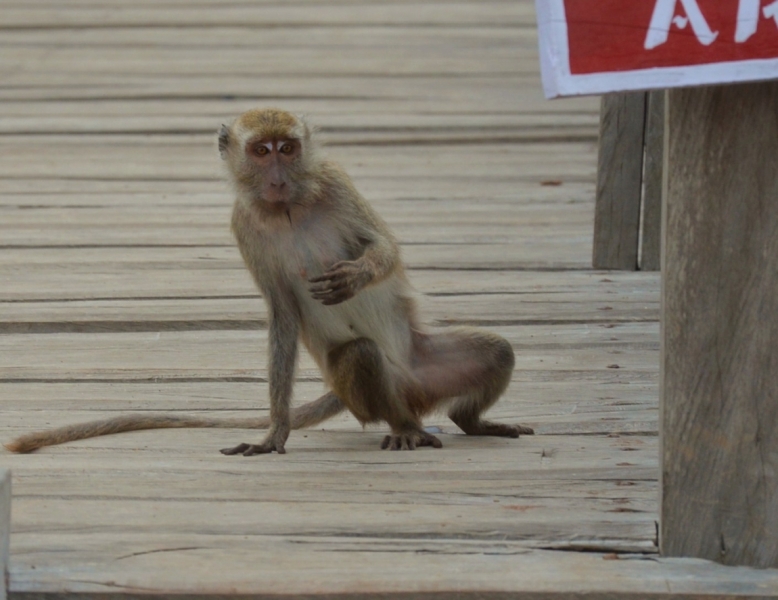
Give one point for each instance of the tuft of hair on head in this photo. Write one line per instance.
(273, 123)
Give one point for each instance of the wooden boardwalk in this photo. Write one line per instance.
(121, 290)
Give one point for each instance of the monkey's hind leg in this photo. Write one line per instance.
(492, 379)
(475, 368)
(369, 390)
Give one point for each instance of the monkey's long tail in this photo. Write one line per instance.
(304, 416)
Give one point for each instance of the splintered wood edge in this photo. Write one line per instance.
(5, 529)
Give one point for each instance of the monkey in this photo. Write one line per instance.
(330, 272)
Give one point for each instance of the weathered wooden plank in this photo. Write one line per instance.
(566, 405)
(345, 513)
(461, 569)
(250, 313)
(268, 15)
(639, 421)
(239, 353)
(467, 225)
(378, 187)
(101, 157)
(297, 61)
(395, 135)
(110, 87)
(720, 358)
(524, 6)
(359, 119)
(597, 490)
(537, 396)
(235, 37)
(225, 257)
(169, 273)
(126, 230)
(334, 103)
(525, 337)
(232, 40)
(473, 247)
(5, 529)
(528, 254)
(200, 209)
(619, 173)
(324, 98)
(651, 205)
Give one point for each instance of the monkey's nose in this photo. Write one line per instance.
(278, 184)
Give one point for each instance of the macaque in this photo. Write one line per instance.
(330, 272)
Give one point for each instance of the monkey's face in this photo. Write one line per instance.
(274, 163)
(271, 158)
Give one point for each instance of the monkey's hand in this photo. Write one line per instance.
(342, 281)
(275, 440)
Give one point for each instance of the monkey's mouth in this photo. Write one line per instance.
(283, 194)
(276, 203)
(277, 199)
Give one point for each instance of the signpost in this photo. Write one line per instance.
(601, 46)
(719, 363)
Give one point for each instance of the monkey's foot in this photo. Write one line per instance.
(410, 440)
(495, 429)
(252, 449)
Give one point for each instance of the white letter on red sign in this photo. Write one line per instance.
(664, 11)
(748, 17)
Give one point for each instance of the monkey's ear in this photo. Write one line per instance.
(308, 129)
(224, 141)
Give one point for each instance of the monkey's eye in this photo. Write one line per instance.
(260, 150)
(286, 148)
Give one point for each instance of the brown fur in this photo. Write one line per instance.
(330, 272)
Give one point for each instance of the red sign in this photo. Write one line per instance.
(622, 35)
(600, 46)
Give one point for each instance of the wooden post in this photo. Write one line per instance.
(651, 211)
(720, 326)
(619, 173)
(5, 530)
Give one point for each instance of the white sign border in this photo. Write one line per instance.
(558, 81)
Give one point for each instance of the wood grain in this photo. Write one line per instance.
(720, 359)
(269, 15)
(5, 529)
(651, 204)
(222, 352)
(460, 569)
(619, 176)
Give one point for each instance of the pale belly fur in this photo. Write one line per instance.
(374, 313)
(377, 312)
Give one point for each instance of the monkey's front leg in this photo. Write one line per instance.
(282, 335)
